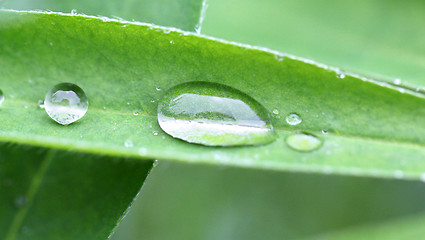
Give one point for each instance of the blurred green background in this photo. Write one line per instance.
(383, 39)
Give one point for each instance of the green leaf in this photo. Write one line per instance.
(381, 38)
(374, 129)
(183, 14)
(408, 228)
(208, 202)
(52, 194)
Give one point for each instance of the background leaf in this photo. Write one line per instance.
(211, 202)
(51, 194)
(183, 14)
(374, 130)
(383, 39)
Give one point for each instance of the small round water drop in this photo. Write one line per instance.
(214, 115)
(128, 143)
(303, 142)
(158, 88)
(422, 177)
(171, 42)
(155, 163)
(397, 81)
(66, 103)
(41, 104)
(325, 131)
(293, 119)
(1, 96)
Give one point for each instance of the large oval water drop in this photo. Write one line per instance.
(215, 115)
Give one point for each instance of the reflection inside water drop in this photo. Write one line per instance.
(303, 142)
(293, 119)
(66, 103)
(215, 115)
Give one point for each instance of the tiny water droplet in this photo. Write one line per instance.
(128, 103)
(128, 143)
(152, 100)
(215, 115)
(26, 106)
(275, 111)
(423, 177)
(104, 107)
(293, 119)
(171, 42)
(41, 104)
(66, 103)
(74, 12)
(325, 131)
(158, 88)
(155, 163)
(397, 81)
(341, 75)
(155, 133)
(303, 142)
(51, 44)
(1, 96)
(20, 201)
(398, 174)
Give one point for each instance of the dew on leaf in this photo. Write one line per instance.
(303, 142)
(293, 119)
(41, 104)
(215, 115)
(66, 103)
(1, 96)
(128, 143)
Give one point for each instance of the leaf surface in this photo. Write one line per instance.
(374, 129)
(383, 39)
(183, 14)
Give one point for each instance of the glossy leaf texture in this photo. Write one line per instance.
(54, 194)
(183, 14)
(383, 39)
(373, 129)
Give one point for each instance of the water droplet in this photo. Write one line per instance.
(303, 142)
(423, 177)
(398, 174)
(128, 103)
(51, 44)
(341, 75)
(74, 12)
(276, 112)
(152, 100)
(155, 163)
(1, 96)
(172, 42)
(155, 133)
(66, 103)
(325, 131)
(136, 112)
(20, 201)
(26, 106)
(158, 88)
(293, 119)
(41, 103)
(215, 115)
(397, 81)
(128, 143)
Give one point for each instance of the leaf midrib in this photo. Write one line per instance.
(317, 133)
